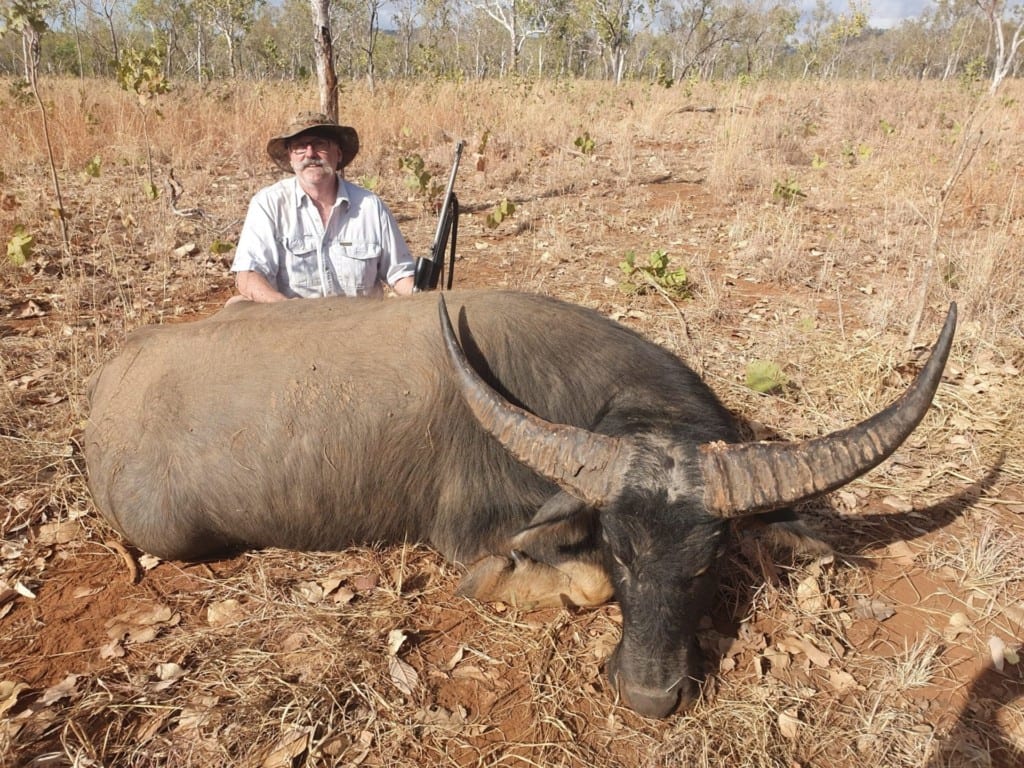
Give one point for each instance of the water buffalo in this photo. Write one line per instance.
(560, 456)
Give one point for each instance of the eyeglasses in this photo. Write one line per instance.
(298, 146)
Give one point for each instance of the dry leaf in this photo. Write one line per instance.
(438, 715)
(9, 692)
(149, 562)
(168, 674)
(901, 553)
(66, 688)
(224, 613)
(112, 650)
(309, 591)
(777, 660)
(997, 650)
(900, 505)
(805, 646)
(455, 659)
(874, 609)
(403, 676)
(196, 713)
(365, 582)
(808, 595)
(329, 584)
(958, 624)
(59, 533)
(292, 744)
(169, 671)
(365, 741)
(842, 682)
(343, 596)
(24, 591)
(473, 672)
(395, 639)
(81, 592)
(789, 723)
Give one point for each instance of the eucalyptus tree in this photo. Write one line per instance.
(829, 35)
(167, 21)
(702, 32)
(231, 19)
(323, 46)
(27, 18)
(521, 20)
(614, 22)
(1005, 18)
(443, 37)
(358, 26)
(406, 18)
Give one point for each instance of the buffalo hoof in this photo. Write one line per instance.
(655, 703)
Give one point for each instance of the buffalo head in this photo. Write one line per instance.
(645, 507)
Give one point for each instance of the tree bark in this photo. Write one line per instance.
(324, 49)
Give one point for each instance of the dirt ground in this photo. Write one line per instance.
(900, 650)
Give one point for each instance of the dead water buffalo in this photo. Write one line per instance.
(560, 455)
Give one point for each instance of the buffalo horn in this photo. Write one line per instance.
(744, 478)
(581, 462)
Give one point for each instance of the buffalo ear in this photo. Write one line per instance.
(564, 528)
(554, 561)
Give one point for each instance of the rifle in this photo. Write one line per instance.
(428, 270)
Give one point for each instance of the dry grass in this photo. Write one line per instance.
(282, 659)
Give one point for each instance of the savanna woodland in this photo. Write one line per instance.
(787, 199)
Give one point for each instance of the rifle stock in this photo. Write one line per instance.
(429, 269)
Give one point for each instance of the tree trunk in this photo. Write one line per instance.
(323, 47)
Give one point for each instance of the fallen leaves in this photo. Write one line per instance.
(403, 675)
(223, 613)
(9, 693)
(138, 625)
(1002, 654)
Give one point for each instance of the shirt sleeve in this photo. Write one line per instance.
(396, 261)
(259, 245)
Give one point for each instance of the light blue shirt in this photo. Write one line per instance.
(284, 239)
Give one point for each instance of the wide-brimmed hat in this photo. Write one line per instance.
(320, 125)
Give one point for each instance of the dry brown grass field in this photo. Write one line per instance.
(823, 227)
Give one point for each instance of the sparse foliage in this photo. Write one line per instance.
(789, 191)
(419, 180)
(657, 273)
(499, 213)
(19, 246)
(141, 72)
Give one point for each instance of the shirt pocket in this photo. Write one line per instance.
(356, 267)
(301, 270)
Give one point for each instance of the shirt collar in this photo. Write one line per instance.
(341, 199)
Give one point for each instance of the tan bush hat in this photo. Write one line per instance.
(320, 125)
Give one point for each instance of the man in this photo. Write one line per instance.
(314, 233)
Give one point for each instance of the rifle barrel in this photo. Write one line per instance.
(442, 219)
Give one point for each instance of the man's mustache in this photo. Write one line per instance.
(311, 161)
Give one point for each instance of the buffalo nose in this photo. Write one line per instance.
(650, 702)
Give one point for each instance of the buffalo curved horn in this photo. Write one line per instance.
(744, 478)
(581, 462)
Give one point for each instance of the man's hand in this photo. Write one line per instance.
(255, 287)
(404, 287)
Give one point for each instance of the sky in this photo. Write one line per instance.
(884, 14)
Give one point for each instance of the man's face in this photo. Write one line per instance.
(313, 157)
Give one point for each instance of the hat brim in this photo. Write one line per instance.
(345, 137)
